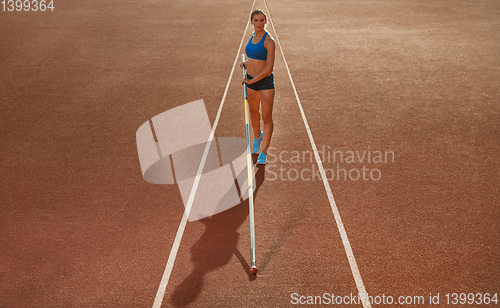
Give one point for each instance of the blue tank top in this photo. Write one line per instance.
(256, 51)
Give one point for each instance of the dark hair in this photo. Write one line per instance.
(256, 12)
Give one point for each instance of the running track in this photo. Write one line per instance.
(81, 228)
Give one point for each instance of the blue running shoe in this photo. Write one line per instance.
(262, 158)
(256, 143)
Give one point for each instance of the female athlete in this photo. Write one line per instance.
(260, 51)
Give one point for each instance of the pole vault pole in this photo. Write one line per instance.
(253, 267)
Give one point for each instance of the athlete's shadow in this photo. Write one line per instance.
(215, 247)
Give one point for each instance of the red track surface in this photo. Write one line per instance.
(81, 228)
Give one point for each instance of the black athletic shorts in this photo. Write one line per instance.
(266, 83)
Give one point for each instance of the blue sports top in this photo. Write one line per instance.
(256, 51)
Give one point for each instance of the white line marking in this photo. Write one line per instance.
(160, 294)
(333, 205)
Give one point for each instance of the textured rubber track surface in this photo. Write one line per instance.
(420, 79)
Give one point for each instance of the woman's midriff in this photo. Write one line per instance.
(255, 67)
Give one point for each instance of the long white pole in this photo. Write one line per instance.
(253, 268)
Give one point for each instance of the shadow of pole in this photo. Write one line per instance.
(216, 247)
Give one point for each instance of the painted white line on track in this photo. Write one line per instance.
(160, 294)
(333, 205)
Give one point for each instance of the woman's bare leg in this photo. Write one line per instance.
(267, 101)
(254, 105)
